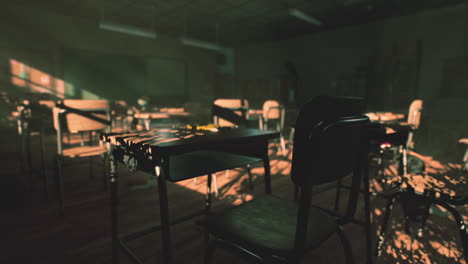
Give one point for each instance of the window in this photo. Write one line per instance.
(37, 81)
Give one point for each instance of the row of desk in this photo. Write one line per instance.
(174, 154)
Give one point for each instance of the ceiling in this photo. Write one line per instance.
(239, 22)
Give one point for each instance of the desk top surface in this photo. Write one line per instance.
(160, 115)
(183, 139)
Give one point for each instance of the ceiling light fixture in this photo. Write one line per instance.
(129, 30)
(126, 29)
(200, 44)
(303, 16)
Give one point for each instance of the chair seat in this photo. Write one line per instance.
(268, 224)
(198, 163)
(84, 151)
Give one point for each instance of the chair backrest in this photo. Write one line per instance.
(414, 113)
(232, 104)
(330, 143)
(65, 120)
(313, 161)
(273, 110)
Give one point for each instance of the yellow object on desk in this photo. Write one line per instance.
(209, 127)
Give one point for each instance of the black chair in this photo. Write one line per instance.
(404, 136)
(330, 143)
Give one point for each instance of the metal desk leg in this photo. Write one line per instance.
(114, 208)
(266, 165)
(164, 210)
(59, 181)
(43, 166)
(208, 192)
(29, 160)
(21, 148)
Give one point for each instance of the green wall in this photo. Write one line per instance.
(407, 57)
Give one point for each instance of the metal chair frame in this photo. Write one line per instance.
(315, 138)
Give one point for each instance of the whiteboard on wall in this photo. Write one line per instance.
(166, 77)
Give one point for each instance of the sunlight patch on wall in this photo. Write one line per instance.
(37, 81)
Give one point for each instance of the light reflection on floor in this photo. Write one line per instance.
(440, 243)
(441, 240)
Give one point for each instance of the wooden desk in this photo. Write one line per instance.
(170, 153)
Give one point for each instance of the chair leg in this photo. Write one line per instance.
(465, 159)
(43, 167)
(59, 182)
(105, 160)
(291, 135)
(346, 245)
(283, 146)
(29, 160)
(405, 161)
(215, 185)
(249, 172)
(21, 152)
(208, 193)
(227, 175)
(460, 225)
(338, 194)
(381, 166)
(383, 229)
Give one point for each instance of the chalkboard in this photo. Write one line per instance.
(109, 76)
(166, 77)
(123, 77)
